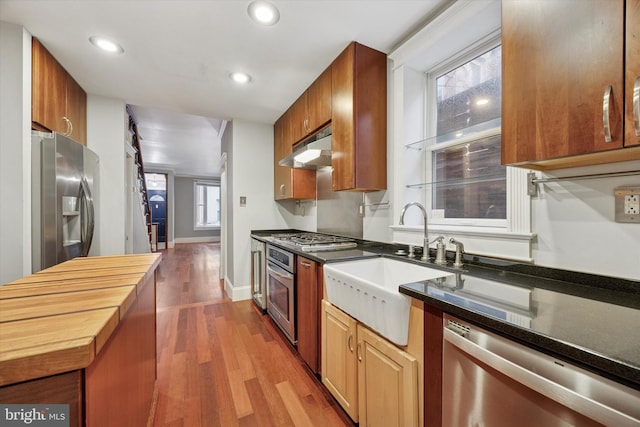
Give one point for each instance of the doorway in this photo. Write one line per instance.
(157, 192)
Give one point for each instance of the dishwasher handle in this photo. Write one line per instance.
(545, 386)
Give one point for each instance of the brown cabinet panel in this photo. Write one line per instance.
(632, 74)
(307, 305)
(558, 59)
(359, 110)
(123, 374)
(48, 95)
(319, 102)
(298, 120)
(289, 183)
(57, 389)
(76, 111)
(59, 104)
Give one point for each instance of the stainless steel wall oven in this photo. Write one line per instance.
(281, 289)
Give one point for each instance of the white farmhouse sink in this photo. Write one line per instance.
(368, 291)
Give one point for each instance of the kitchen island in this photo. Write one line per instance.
(82, 333)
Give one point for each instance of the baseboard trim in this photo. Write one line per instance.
(206, 239)
(236, 293)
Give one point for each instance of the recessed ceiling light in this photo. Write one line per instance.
(263, 12)
(105, 44)
(240, 77)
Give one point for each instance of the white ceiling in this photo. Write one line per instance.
(179, 53)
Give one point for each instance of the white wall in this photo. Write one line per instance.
(105, 136)
(575, 227)
(15, 152)
(251, 177)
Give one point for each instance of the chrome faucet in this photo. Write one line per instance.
(425, 250)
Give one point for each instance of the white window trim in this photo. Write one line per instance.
(513, 239)
(195, 197)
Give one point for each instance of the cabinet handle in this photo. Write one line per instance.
(69, 130)
(605, 114)
(350, 342)
(282, 189)
(358, 347)
(636, 105)
(305, 264)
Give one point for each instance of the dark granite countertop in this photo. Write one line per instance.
(586, 319)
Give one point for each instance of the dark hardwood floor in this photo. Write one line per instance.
(222, 363)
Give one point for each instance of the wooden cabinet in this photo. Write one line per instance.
(632, 74)
(359, 119)
(59, 104)
(289, 183)
(563, 84)
(312, 109)
(387, 383)
(373, 380)
(307, 303)
(339, 362)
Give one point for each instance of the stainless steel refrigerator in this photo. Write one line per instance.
(64, 184)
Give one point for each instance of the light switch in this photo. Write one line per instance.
(243, 201)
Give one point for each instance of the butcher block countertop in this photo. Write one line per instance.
(58, 320)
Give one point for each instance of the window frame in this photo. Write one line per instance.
(196, 184)
(430, 130)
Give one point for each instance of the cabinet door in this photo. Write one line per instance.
(632, 83)
(359, 119)
(388, 383)
(298, 119)
(76, 107)
(319, 102)
(307, 306)
(289, 183)
(559, 57)
(339, 364)
(48, 96)
(281, 149)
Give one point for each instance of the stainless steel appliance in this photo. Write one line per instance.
(281, 290)
(259, 274)
(489, 380)
(64, 181)
(314, 242)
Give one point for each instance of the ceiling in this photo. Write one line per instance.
(178, 55)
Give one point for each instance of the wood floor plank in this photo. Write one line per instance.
(292, 403)
(223, 363)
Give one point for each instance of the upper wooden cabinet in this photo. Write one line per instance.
(632, 74)
(563, 82)
(58, 103)
(312, 109)
(359, 119)
(289, 183)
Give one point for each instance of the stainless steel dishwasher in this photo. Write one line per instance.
(491, 381)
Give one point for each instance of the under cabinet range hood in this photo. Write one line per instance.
(312, 153)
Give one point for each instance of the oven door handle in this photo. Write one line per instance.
(285, 275)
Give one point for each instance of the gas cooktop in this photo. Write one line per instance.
(314, 242)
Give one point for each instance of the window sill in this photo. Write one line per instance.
(486, 241)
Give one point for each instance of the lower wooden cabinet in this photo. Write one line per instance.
(339, 362)
(307, 305)
(374, 381)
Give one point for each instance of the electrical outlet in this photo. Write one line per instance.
(627, 201)
(632, 205)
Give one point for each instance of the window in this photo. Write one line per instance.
(207, 205)
(468, 183)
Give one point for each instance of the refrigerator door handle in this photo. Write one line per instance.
(87, 202)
